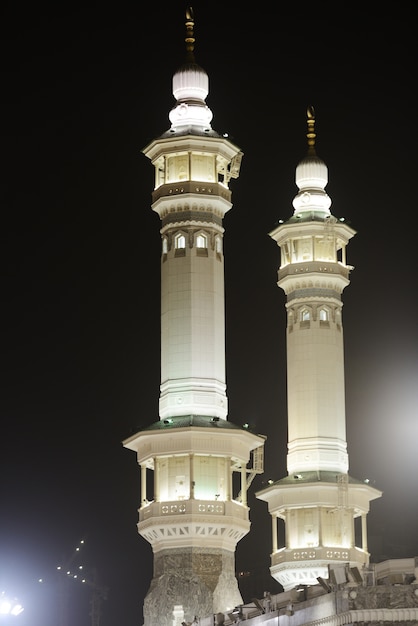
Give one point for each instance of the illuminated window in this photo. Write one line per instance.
(180, 241)
(201, 241)
(323, 315)
(305, 315)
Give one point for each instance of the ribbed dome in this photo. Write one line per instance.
(190, 82)
(311, 173)
(312, 178)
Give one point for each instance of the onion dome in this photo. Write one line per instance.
(190, 88)
(311, 179)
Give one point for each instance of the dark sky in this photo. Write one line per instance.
(84, 88)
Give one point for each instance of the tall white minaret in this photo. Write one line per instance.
(318, 503)
(201, 463)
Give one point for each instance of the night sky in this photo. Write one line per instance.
(84, 88)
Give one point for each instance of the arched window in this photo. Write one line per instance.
(201, 241)
(324, 315)
(305, 315)
(180, 241)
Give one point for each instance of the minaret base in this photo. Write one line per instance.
(204, 578)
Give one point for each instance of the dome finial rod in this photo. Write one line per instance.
(190, 33)
(311, 135)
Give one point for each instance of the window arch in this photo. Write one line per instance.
(180, 241)
(305, 315)
(323, 315)
(201, 241)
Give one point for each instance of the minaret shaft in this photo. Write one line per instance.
(315, 386)
(192, 313)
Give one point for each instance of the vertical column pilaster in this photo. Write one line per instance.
(144, 499)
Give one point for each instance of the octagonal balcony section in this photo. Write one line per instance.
(193, 523)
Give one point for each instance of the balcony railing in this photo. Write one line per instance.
(229, 508)
(319, 554)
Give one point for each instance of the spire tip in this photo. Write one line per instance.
(311, 135)
(190, 33)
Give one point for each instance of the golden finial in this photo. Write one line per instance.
(190, 33)
(311, 135)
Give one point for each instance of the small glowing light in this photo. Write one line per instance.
(270, 481)
(245, 425)
(225, 135)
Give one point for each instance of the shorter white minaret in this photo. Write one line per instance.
(318, 503)
(195, 464)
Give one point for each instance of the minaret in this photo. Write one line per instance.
(318, 502)
(201, 463)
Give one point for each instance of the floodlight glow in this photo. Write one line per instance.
(16, 609)
(5, 607)
(9, 607)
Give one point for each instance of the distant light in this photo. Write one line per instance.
(367, 480)
(225, 135)
(270, 482)
(281, 221)
(342, 219)
(245, 425)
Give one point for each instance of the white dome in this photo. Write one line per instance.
(312, 178)
(312, 173)
(190, 82)
(190, 88)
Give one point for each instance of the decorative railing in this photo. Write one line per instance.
(195, 187)
(229, 508)
(318, 554)
(322, 267)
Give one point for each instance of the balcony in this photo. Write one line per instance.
(323, 553)
(193, 508)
